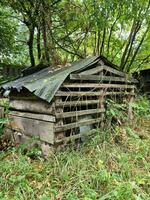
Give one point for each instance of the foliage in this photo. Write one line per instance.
(141, 107)
(56, 31)
(7, 33)
(3, 120)
(116, 111)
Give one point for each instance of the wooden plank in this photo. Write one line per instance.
(73, 94)
(115, 71)
(102, 78)
(48, 118)
(77, 103)
(74, 137)
(33, 127)
(96, 85)
(31, 106)
(119, 93)
(130, 109)
(76, 124)
(59, 121)
(100, 93)
(19, 97)
(101, 68)
(79, 113)
(92, 71)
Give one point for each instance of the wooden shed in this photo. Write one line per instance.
(63, 105)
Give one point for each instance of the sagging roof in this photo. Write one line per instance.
(45, 83)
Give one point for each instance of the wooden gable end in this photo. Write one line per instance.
(101, 73)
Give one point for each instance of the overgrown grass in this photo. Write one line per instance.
(113, 165)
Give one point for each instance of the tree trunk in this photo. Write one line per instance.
(103, 42)
(98, 42)
(130, 49)
(39, 42)
(110, 34)
(138, 47)
(30, 44)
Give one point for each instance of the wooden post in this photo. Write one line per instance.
(101, 98)
(131, 100)
(101, 106)
(59, 121)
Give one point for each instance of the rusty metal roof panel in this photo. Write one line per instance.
(45, 83)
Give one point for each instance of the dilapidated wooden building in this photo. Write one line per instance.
(65, 104)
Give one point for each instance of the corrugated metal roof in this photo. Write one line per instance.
(45, 83)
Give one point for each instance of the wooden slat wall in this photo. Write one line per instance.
(86, 90)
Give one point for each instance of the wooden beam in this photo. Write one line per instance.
(92, 71)
(48, 118)
(78, 113)
(30, 98)
(76, 124)
(77, 103)
(115, 71)
(119, 93)
(102, 78)
(96, 85)
(74, 94)
(31, 106)
(79, 94)
(59, 121)
(101, 68)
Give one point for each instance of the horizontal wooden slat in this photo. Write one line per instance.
(101, 78)
(30, 98)
(31, 106)
(68, 93)
(115, 71)
(119, 93)
(78, 113)
(101, 68)
(77, 103)
(79, 94)
(92, 71)
(74, 137)
(48, 118)
(76, 124)
(92, 85)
